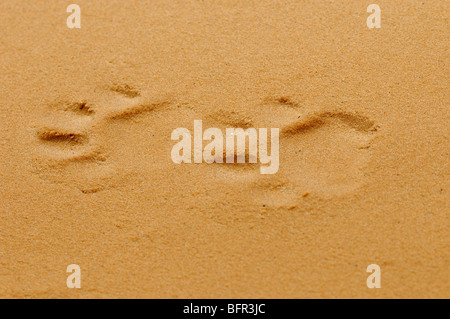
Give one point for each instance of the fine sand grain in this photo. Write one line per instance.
(86, 175)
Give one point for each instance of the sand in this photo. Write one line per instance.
(86, 175)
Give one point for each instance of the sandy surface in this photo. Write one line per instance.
(85, 170)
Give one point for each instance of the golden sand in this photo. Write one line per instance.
(86, 175)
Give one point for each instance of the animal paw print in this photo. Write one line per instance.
(73, 146)
(322, 153)
(327, 153)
